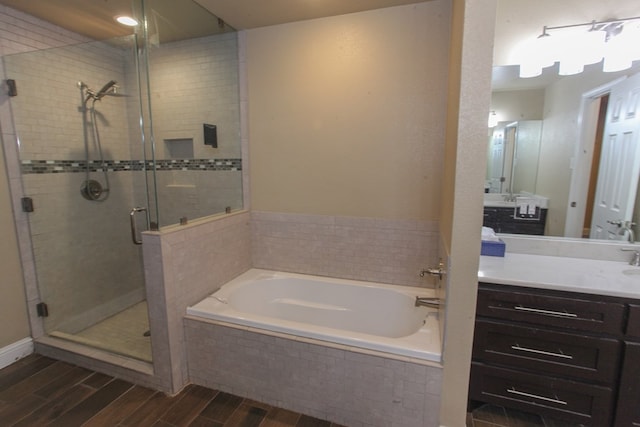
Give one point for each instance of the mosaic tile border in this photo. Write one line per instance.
(75, 166)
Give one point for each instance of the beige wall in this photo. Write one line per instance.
(516, 105)
(347, 113)
(13, 310)
(469, 99)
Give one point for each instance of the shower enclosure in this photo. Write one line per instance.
(116, 137)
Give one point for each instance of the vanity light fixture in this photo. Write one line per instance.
(614, 42)
(126, 20)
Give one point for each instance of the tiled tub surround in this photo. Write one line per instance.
(359, 314)
(369, 249)
(184, 264)
(330, 381)
(316, 345)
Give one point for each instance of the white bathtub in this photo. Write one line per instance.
(359, 314)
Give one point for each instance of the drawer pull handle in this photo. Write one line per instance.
(535, 396)
(546, 353)
(546, 312)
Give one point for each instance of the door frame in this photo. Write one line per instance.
(581, 164)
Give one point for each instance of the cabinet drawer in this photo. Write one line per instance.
(568, 311)
(547, 352)
(633, 324)
(569, 400)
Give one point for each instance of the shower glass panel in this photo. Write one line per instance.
(194, 109)
(77, 119)
(135, 132)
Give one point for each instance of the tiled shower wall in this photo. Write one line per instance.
(92, 237)
(87, 267)
(20, 33)
(194, 82)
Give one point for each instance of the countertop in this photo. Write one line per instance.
(613, 278)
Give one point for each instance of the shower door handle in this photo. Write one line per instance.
(134, 228)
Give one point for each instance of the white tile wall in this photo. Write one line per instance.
(183, 264)
(194, 82)
(331, 383)
(87, 267)
(372, 249)
(48, 114)
(196, 194)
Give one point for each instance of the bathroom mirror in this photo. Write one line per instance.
(512, 163)
(567, 109)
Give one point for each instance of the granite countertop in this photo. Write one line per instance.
(613, 278)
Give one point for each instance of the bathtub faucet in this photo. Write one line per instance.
(428, 302)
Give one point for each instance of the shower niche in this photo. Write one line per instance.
(179, 148)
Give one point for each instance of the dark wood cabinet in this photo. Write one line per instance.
(566, 355)
(628, 409)
(579, 357)
(563, 310)
(571, 400)
(504, 220)
(633, 324)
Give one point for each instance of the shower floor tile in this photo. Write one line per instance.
(122, 333)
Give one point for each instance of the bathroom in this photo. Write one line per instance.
(298, 135)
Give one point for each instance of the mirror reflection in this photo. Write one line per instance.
(562, 151)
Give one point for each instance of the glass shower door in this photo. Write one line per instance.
(77, 119)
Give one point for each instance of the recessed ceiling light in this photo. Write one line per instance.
(127, 20)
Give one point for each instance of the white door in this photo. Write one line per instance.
(619, 163)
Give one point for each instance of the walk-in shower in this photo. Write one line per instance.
(87, 157)
(92, 189)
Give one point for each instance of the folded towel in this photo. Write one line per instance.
(488, 235)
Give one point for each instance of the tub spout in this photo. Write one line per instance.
(428, 302)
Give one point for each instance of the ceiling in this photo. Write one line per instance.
(516, 20)
(95, 18)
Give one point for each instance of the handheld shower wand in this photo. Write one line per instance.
(97, 96)
(105, 89)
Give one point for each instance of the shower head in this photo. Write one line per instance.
(110, 86)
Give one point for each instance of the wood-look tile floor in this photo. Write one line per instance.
(39, 391)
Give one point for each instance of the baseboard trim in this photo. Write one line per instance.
(13, 352)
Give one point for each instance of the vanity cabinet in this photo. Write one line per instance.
(628, 408)
(503, 220)
(566, 355)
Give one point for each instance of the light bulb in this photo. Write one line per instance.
(126, 20)
(493, 119)
(618, 54)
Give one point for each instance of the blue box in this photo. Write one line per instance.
(490, 248)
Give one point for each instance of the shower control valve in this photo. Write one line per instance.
(434, 271)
